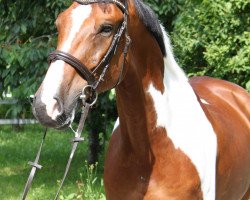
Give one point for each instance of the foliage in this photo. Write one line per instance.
(166, 10)
(213, 38)
(27, 30)
(89, 188)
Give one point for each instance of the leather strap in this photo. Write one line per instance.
(75, 142)
(81, 69)
(35, 166)
(118, 3)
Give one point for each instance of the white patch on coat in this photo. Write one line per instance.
(204, 101)
(180, 113)
(117, 123)
(55, 73)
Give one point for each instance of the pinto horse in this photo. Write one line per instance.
(175, 138)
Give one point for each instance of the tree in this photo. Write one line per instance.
(27, 36)
(167, 10)
(212, 37)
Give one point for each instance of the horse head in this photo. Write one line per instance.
(91, 50)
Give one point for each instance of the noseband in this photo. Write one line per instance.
(80, 68)
(93, 83)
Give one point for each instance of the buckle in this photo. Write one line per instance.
(89, 95)
(77, 139)
(34, 164)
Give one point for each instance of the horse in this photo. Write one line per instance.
(175, 137)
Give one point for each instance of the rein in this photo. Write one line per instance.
(87, 103)
(89, 94)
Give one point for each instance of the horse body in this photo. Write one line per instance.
(143, 162)
(176, 138)
(163, 172)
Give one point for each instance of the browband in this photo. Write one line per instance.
(118, 3)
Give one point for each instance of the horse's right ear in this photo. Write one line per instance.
(124, 2)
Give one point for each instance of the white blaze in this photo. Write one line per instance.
(78, 16)
(55, 73)
(180, 113)
(50, 88)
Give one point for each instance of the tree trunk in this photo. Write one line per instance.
(94, 146)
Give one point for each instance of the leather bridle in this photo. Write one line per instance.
(80, 68)
(87, 98)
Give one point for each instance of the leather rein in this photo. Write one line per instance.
(89, 94)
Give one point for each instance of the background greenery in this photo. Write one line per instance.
(17, 148)
(213, 38)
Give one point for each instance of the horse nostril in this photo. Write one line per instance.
(60, 105)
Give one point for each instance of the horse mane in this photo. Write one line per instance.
(152, 23)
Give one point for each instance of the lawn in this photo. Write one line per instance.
(17, 148)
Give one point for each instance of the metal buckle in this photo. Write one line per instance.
(34, 164)
(77, 139)
(89, 95)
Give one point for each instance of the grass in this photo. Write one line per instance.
(17, 148)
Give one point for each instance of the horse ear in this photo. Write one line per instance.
(124, 1)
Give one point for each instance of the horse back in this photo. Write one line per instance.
(227, 106)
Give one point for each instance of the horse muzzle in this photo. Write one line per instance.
(51, 114)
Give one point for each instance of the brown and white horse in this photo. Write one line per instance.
(175, 138)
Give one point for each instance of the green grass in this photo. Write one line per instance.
(17, 148)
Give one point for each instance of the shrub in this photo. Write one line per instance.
(213, 38)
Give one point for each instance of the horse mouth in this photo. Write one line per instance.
(65, 120)
(61, 122)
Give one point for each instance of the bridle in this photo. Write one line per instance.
(80, 68)
(89, 94)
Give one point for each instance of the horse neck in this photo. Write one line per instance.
(151, 85)
(134, 105)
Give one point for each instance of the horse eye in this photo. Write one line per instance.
(106, 29)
